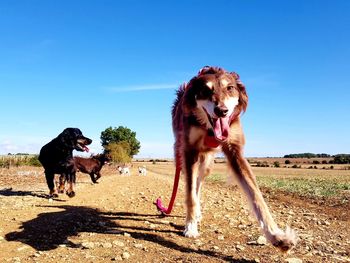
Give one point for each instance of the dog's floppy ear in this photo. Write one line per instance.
(190, 91)
(69, 136)
(243, 97)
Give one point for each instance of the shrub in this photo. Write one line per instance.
(34, 161)
(276, 164)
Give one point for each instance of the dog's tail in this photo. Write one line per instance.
(158, 203)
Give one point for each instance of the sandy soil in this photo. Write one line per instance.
(116, 220)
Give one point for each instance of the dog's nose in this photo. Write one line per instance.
(221, 111)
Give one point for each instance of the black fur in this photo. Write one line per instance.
(57, 157)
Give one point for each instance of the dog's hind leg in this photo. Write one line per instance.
(98, 176)
(51, 184)
(240, 166)
(62, 181)
(191, 164)
(206, 161)
(93, 179)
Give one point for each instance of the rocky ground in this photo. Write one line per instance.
(116, 220)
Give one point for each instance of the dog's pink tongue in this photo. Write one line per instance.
(86, 149)
(221, 128)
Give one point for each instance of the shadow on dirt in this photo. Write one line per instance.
(11, 192)
(49, 230)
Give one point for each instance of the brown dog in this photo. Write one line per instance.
(206, 119)
(91, 166)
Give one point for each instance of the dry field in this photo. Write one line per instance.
(116, 220)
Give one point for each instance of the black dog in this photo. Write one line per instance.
(57, 158)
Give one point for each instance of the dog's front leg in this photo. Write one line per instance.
(71, 182)
(206, 161)
(50, 177)
(240, 166)
(191, 171)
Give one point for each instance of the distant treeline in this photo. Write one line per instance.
(307, 155)
(337, 159)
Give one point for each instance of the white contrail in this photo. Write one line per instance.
(141, 87)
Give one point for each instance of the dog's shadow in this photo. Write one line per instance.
(50, 230)
(11, 192)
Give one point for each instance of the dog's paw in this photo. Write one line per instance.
(285, 240)
(60, 191)
(53, 195)
(191, 230)
(70, 194)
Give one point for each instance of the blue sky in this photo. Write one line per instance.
(95, 64)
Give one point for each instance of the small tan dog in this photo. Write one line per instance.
(206, 119)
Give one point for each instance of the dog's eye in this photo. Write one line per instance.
(206, 92)
(230, 88)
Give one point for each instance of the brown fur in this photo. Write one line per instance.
(193, 123)
(91, 166)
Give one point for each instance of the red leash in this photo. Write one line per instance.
(158, 203)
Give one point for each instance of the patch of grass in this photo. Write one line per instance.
(216, 177)
(305, 182)
(305, 187)
(316, 186)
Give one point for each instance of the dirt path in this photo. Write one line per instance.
(116, 221)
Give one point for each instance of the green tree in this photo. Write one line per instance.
(121, 135)
(118, 152)
(342, 158)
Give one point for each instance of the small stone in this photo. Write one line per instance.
(326, 223)
(127, 234)
(88, 245)
(198, 242)
(261, 241)
(293, 260)
(138, 245)
(125, 255)
(118, 243)
(240, 247)
(107, 245)
(117, 258)
(221, 237)
(22, 248)
(216, 248)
